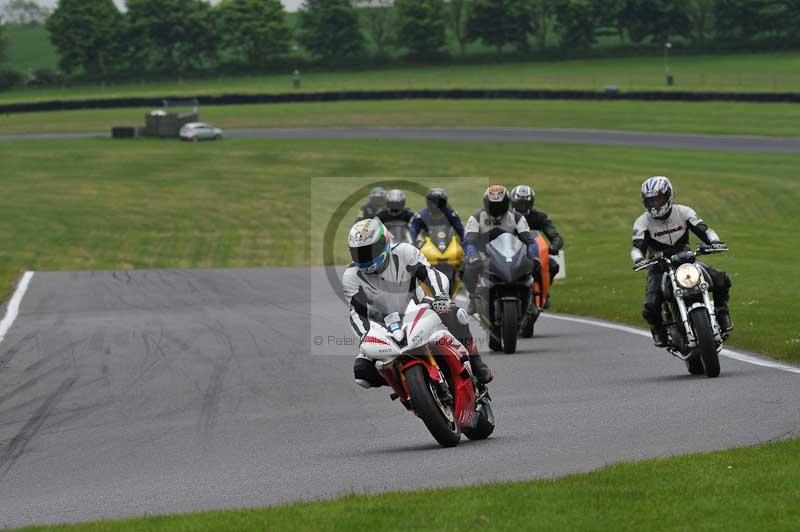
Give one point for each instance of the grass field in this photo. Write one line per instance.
(743, 72)
(716, 118)
(753, 488)
(101, 204)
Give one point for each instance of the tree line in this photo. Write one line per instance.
(96, 40)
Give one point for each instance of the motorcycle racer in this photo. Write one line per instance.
(523, 198)
(664, 228)
(382, 266)
(487, 224)
(377, 200)
(437, 209)
(395, 208)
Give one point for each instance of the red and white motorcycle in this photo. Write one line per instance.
(429, 370)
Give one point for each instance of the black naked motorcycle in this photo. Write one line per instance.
(503, 291)
(689, 314)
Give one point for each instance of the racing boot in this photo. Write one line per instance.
(479, 368)
(471, 307)
(724, 319)
(659, 336)
(365, 373)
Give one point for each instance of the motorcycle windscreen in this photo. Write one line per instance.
(507, 258)
(440, 235)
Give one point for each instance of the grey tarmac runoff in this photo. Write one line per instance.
(729, 143)
(150, 392)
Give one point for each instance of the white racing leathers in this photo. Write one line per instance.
(670, 235)
(406, 273)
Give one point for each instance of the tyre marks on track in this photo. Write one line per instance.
(17, 444)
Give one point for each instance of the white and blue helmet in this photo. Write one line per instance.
(657, 197)
(369, 244)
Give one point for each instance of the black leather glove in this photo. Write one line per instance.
(553, 251)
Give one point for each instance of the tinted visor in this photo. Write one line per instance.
(523, 204)
(497, 208)
(656, 202)
(365, 256)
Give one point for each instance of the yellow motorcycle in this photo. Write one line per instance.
(441, 246)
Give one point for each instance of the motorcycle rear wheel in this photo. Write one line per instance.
(428, 408)
(707, 348)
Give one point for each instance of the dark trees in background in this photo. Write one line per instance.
(378, 17)
(656, 19)
(739, 20)
(575, 23)
(257, 29)
(88, 36)
(329, 30)
(458, 14)
(421, 26)
(172, 35)
(500, 23)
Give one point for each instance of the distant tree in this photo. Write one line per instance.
(459, 12)
(575, 23)
(740, 20)
(329, 30)
(656, 19)
(25, 12)
(379, 18)
(782, 18)
(701, 19)
(87, 36)
(3, 43)
(172, 35)
(543, 12)
(421, 26)
(501, 22)
(255, 28)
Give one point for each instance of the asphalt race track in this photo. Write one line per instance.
(146, 392)
(732, 143)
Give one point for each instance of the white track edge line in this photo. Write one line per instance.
(742, 357)
(13, 305)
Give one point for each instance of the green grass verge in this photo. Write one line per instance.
(741, 72)
(103, 204)
(711, 118)
(755, 488)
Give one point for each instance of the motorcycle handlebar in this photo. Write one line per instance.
(701, 250)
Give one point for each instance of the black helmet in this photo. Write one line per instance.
(522, 198)
(496, 201)
(395, 201)
(436, 198)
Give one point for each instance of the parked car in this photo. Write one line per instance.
(195, 131)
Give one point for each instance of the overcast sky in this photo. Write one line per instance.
(291, 5)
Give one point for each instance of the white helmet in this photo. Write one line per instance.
(369, 243)
(657, 197)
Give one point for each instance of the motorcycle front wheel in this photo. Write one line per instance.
(485, 425)
(439, 418)
(510, 326)
(706, 346)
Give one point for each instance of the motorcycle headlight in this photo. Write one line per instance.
(688, 275)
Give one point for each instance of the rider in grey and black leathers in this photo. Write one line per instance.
(664, 229)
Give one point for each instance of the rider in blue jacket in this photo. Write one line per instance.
(434, 213)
